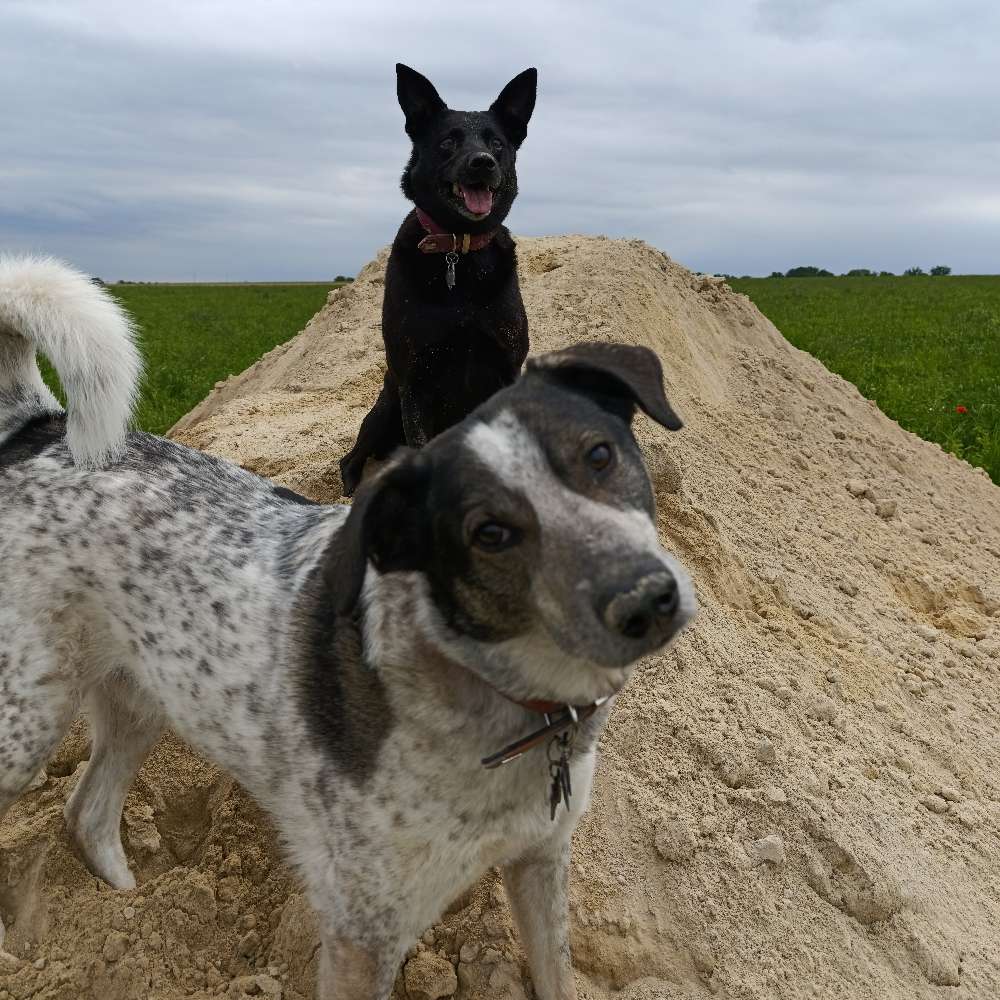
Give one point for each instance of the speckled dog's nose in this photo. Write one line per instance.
(632, 611)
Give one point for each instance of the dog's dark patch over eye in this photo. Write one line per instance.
(492, 536)
(600, 456)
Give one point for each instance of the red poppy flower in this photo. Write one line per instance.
(961, 409)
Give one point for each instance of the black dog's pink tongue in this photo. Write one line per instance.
(478, 200)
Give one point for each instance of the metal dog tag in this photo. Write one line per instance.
(451, 259)
(561, 788)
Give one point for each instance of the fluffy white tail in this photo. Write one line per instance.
(49, 307)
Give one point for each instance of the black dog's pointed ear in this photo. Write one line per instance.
(616, 376)
(387, 526)
(418, 99)
(514, 105)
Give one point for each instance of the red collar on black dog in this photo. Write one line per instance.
(438, 240)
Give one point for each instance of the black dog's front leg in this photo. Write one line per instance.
(381, 431)
(417, 410)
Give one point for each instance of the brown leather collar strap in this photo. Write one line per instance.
(569, 717)
(541, 707)
(533, 705)
(438, 240)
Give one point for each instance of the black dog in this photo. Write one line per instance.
(453, 322)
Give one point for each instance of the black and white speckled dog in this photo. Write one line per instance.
(350, 666)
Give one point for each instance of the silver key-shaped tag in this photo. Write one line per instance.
(561, 788)
(451, 259)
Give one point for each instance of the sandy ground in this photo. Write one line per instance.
(800, 800)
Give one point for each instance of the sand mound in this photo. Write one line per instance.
(801, 800)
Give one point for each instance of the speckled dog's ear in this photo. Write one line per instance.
(387, 527)
(618, 377)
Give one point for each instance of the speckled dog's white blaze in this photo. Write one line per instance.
(559, 654)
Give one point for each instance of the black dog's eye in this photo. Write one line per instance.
(491, 536)
(447, 145)
(599, 457)
(496, 145)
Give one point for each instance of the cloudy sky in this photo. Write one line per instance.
(225, 140)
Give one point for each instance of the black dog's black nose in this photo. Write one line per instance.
(482, 163)
(634, 611)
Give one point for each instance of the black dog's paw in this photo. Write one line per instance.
(350, 474)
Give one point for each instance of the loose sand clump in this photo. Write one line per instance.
(800, 800)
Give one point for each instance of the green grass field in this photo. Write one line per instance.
(194, 335)
(920, 347)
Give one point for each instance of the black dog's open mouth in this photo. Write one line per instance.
(473, 200)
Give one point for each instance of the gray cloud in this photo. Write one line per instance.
(250, 140)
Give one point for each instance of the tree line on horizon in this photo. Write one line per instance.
(939, 270)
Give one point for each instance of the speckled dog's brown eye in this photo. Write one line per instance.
(491, 536)
(599, 457)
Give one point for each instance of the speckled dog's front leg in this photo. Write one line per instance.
(351, 971)
(538, 889)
